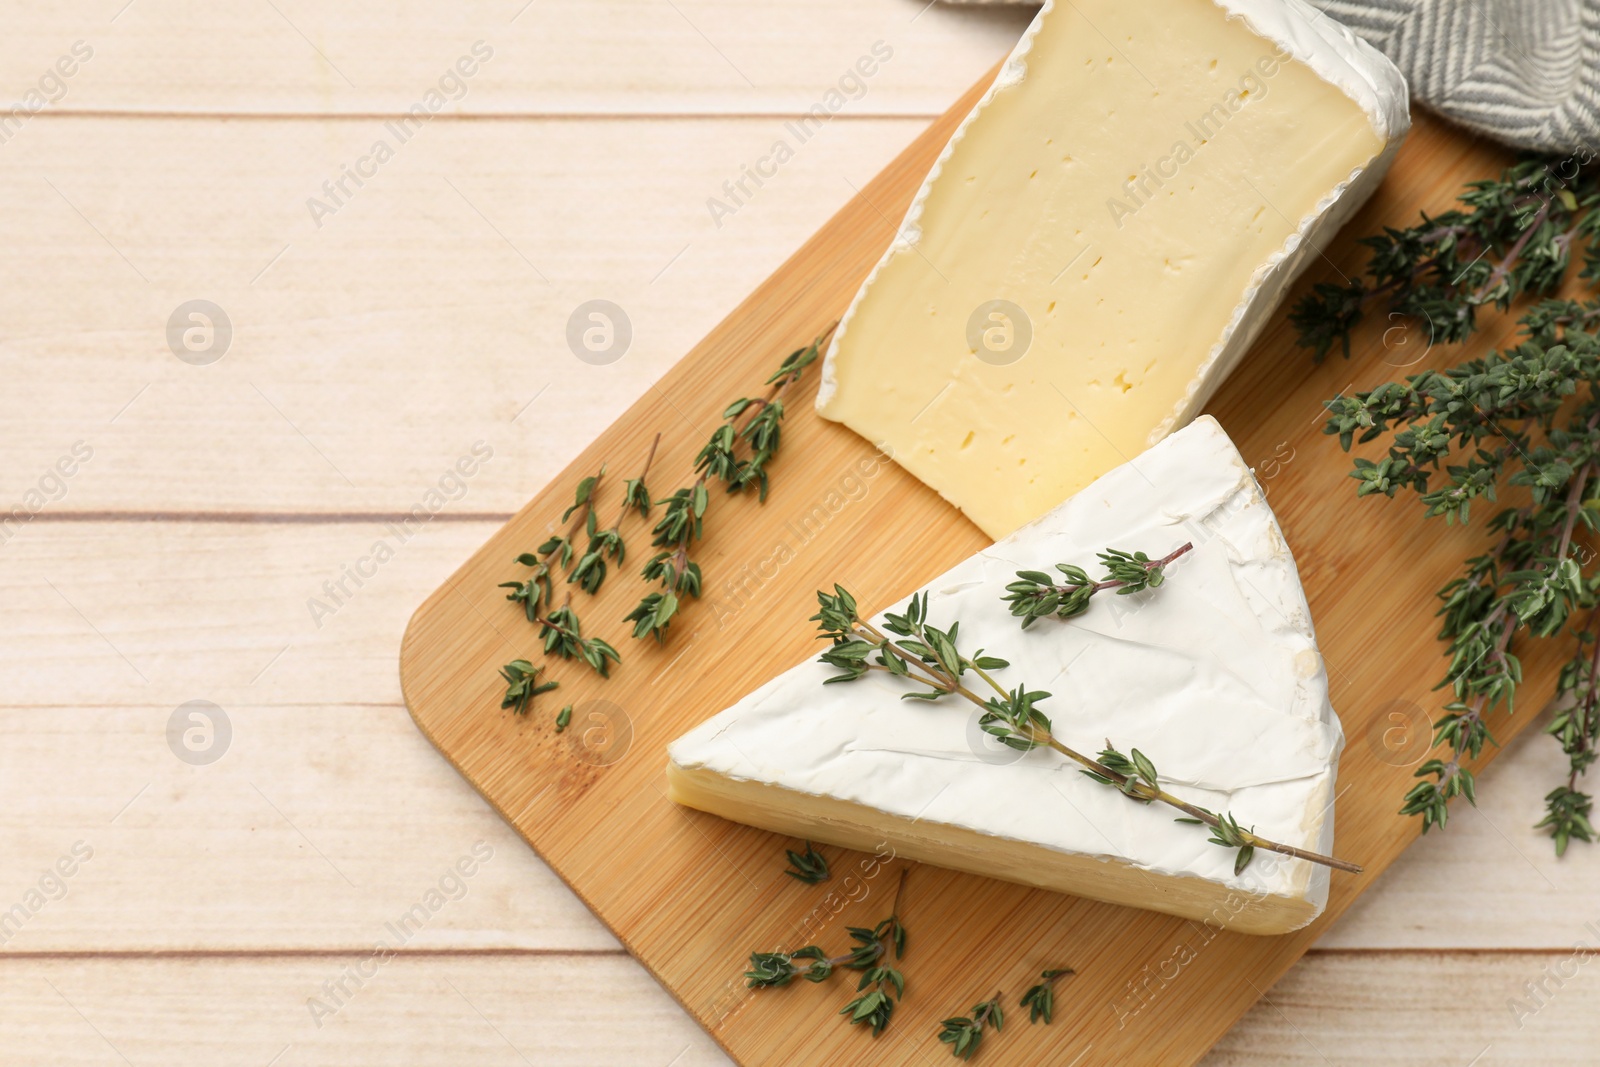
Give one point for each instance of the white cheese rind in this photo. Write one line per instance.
(1215, 675)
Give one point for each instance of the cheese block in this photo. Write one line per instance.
(1102, 239)
(1215, 675)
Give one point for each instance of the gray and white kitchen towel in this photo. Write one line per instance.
(1526, 72)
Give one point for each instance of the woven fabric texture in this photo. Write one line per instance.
(1526, 72)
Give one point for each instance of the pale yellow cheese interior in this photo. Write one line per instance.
(1125, 196)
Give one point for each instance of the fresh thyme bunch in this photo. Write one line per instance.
(1524, 419)
(751, 426)
(1513, 235)
(927, 655)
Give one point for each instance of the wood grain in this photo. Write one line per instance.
(689, 894)
(1425, 1009)
(572, 57)
(425, 1011)
(370, 353)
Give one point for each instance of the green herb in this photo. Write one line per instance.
(929, 656)
(757, 436)
(771, 969)
(810, 866)
(653, 614)
(563, 636)
(1515, 236)
(563, 718)
(522, 685)
(585, 494)
(876, 1004)
(880, 984)
(1040, 1000)
(554, 554)
(963, 1033)
(681, 523)
(590, 571)
(1526, 418)
(1035, 594)
(635, 494)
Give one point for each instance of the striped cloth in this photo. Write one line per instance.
(1525, 72)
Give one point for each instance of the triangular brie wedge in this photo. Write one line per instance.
(1215, 675)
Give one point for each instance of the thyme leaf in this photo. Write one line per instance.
(1524, 420)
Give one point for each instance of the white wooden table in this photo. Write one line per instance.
(225, 912)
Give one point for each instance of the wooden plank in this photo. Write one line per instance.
(161, 613)
(1421, 1008)
(368, 355)
(421, 1011)
(681, 885)
(313, 828)
(1403, 1009)
(571, 57)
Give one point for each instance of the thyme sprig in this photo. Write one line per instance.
(1036, 594)
(1040, 999)
(810, 866)
(1525, 418)
(522, 685)
(563, 636)
(736, 454)
(590, 571)
(870, 956)
(929, 656)
(880, 984)
(965, 1032)
(771, 969)
(555, 554)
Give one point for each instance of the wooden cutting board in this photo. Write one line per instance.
(691, 895)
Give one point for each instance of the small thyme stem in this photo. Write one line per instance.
(1040, 736)
(1118, 583)
(779, 386)
(643, 474)
(1574, 505)
(1509, 260)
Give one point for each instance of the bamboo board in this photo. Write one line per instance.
(690, 895)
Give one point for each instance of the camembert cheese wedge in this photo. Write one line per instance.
(1215, 675)
(1103, 238)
